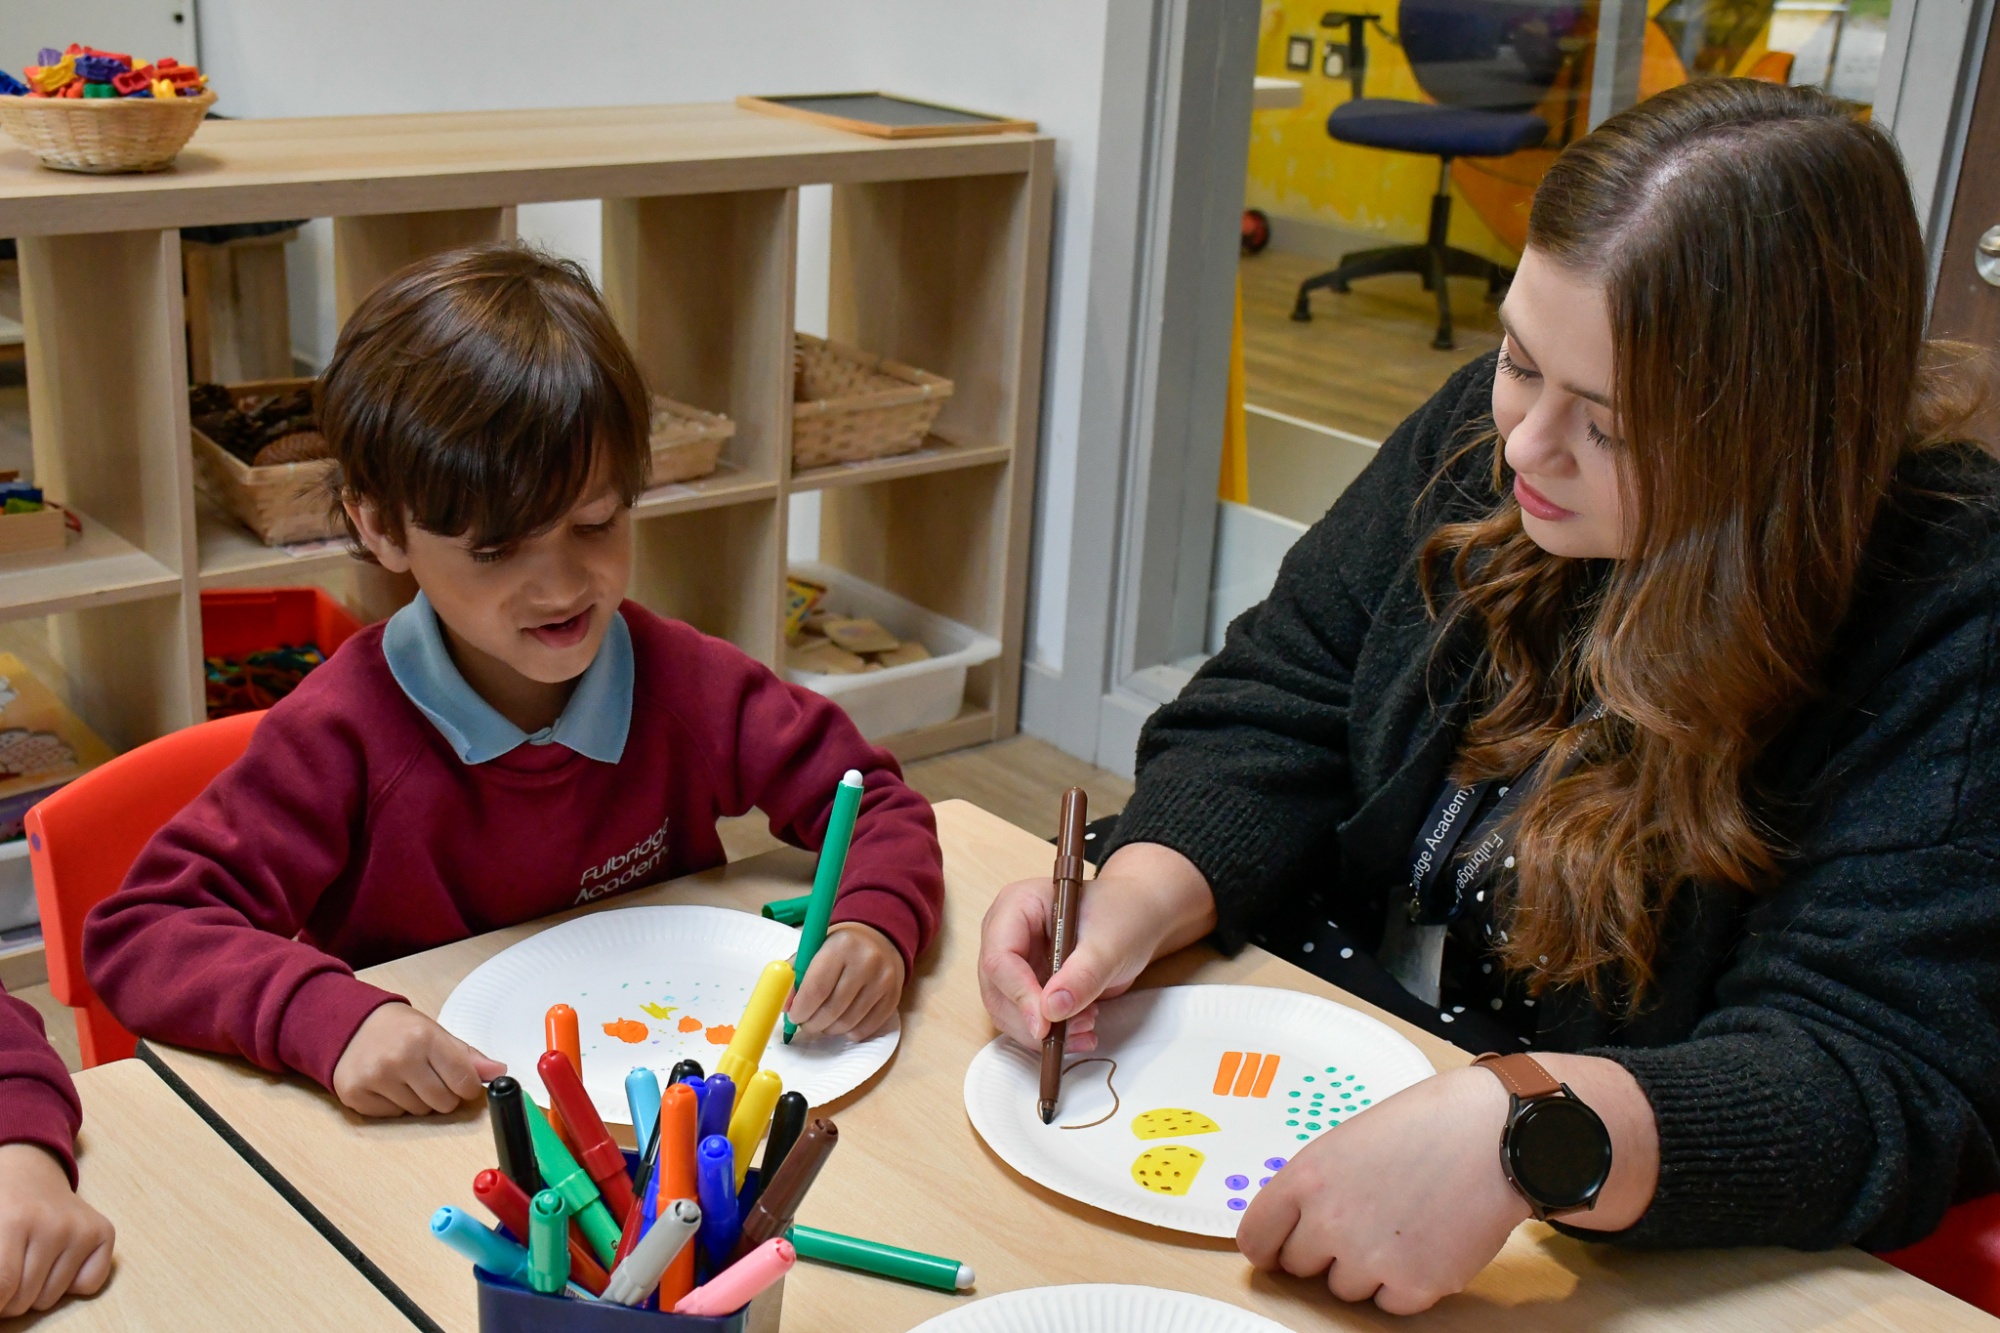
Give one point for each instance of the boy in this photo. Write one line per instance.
(51, 1242)
(516, 741)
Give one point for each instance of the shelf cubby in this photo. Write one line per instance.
(939, 259)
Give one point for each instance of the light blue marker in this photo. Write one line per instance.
(485, 1247)
(642, 1095)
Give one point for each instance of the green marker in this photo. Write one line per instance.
(826, 879)
(869, 1256)
(573, 1184)
(788, 911)
(548, 1243)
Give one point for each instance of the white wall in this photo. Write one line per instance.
(1041, 59)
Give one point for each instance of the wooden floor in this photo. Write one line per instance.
(1020, 779)
(1365, 361)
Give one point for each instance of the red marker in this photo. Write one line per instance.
(595, 1150)
(504, 1199)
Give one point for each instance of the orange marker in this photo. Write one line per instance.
(677, 1181)
(1225, 1073)
(560, 1033)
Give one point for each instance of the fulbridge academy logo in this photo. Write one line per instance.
(626, 868)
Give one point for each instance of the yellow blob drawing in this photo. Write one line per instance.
(659, 1013)
(1172, 1122)
(628, 1030)
(1168, 1170)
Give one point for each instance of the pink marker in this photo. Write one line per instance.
(740, 1283)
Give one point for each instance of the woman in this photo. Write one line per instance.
(1637, 705)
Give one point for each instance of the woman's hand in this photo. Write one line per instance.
(852, 987)
(51, 1242)
(1147, 901)
(1406, 1202)
(401, 1062)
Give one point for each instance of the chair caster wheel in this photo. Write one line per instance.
(1302, 313)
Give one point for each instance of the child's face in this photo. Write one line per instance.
(540, 609)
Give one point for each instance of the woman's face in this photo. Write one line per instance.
(1552, 405)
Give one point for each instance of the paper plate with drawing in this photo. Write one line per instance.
(651, 986)
(1195, 1097)
(1098, 1308)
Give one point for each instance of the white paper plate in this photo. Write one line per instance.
(1315, 1064)
(660, 969)
(1098, 1308)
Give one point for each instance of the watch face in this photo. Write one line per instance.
(1559, 1152)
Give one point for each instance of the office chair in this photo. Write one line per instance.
(1487, 64)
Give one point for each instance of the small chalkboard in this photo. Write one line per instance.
(885, 115)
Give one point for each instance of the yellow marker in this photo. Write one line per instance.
(754, 1105)
(753, 1030)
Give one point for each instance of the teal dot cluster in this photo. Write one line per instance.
(1322, 1111)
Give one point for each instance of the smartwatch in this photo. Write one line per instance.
(1555, 1151)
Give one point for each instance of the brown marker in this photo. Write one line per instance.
(779, 1200)
(1069, 897)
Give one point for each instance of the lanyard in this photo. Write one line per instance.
(1437, 897)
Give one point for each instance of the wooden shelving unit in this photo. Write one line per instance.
(940, 259)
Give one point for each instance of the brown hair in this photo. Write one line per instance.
(477, 391)
(1765, 279)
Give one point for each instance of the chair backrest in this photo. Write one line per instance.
(83, 839)
(1493, 55)
(1962, 1256)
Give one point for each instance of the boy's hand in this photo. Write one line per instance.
(51, 1242)
(400, 1061)
(852, 987)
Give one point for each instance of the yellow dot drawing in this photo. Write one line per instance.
(1172, 1122)
(659, 1013)
(1168, 1170)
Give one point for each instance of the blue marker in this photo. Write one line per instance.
(715, 1177)
(642, 1095)
(717, 1105)
(485, 1247)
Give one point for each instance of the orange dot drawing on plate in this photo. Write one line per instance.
(690, 1024)
(628, 1030)
(721, 1034)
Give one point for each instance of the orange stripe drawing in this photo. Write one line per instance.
(1245, 1075)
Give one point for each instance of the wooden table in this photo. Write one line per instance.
(203, 1243)
(910, 1168)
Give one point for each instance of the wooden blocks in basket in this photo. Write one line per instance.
(286, 494)
(686, 441)
(849, 405)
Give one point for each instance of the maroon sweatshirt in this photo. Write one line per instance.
(37, 1100)
(350, 833)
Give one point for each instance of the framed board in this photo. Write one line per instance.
(884, 115)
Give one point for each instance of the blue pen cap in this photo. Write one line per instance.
(485, 1248)
(715, 1180)
(717, 1107)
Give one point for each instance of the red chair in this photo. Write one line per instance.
(1962, 1256)
(83, 839)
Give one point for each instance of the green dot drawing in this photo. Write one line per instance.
(1367, 1101)
(1293, 1123)
(1295, 1094)
(1304, 1137)
(1330, 1069)
(1309, 1078)
(1346, 1095)
(1312, 1124)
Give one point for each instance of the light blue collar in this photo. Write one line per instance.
(594, 722)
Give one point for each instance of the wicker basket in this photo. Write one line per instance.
(686, 441)
(282, 504)
(104, 135)
(849, 405)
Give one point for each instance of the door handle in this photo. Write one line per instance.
(1986, 256)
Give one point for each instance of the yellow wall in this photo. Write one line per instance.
(1296, 171)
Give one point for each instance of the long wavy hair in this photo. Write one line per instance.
(1765, 279)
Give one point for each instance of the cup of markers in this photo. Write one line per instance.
(685, 1234)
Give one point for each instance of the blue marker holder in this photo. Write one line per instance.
(508, 1307)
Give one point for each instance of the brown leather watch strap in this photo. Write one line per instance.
(1521, 1075)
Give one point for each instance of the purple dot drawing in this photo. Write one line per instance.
(1262, 1183)
(1274, 1163)
(1238, 1205)
(1237, 1182)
